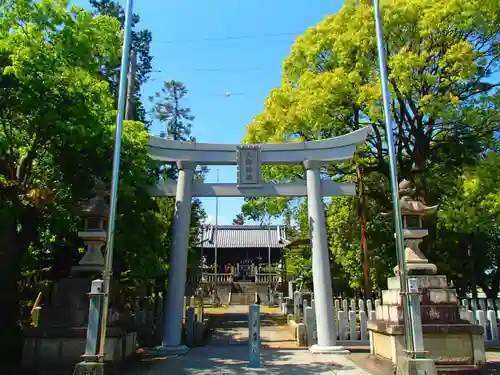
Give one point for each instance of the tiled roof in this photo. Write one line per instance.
(243, 236)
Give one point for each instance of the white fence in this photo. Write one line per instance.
(220, 278)
(228, 278)
(352, 317)
(266, 278)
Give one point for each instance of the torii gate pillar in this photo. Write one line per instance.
(174, 301)
(322, 282)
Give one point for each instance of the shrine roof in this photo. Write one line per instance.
(243, 236)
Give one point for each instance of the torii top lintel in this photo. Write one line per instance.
(327, 150)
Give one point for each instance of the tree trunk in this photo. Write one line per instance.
(10, 271)
(17, 236)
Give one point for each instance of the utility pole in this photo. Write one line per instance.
(129, 108)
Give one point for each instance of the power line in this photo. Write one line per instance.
(230, 37)
(228, 70)
(223, 70)
(214, 70)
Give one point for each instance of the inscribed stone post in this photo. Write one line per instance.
(363, 328)
(309, 322)
(492, 318)
(291, 287)
(190, 325)
(343, 326)
(296, 306)
(361, 305)
(254, 336)
(352, 325)
(482, 304)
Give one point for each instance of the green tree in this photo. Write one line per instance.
(442, 60)
(168, 109)
(239, 219)
(140, 43)
(299, 266)
(473, 211)
(55, 112)
(5, 5)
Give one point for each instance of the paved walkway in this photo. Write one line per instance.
(232, 329)
(230, 360)
(227, 352)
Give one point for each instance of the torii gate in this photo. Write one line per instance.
(249, 158)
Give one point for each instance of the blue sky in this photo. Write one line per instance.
(218, 47)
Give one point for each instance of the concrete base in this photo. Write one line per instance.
(318, 349)
(416, 366)
(160, 351)
(447, 345)
(48, 349)
(90, 368)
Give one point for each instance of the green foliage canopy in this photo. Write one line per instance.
(442, 60)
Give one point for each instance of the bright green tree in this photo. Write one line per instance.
(442, 57)
(473, 212)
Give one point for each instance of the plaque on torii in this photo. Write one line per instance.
(248, 166)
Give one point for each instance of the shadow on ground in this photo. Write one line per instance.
(232, 329)
(234, 360)
(227, 352)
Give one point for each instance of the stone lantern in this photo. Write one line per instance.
(413, 212)
(448, 339)
(61, 336)
(95, 215)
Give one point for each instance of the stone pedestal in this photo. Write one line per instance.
(448, 340)
(58, 343)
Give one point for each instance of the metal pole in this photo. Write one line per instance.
(108, 262)
(216, 230)
(202, 245)
(393, 177)
(270, 289)
(269, 251)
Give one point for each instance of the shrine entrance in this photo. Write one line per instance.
(249, 159)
